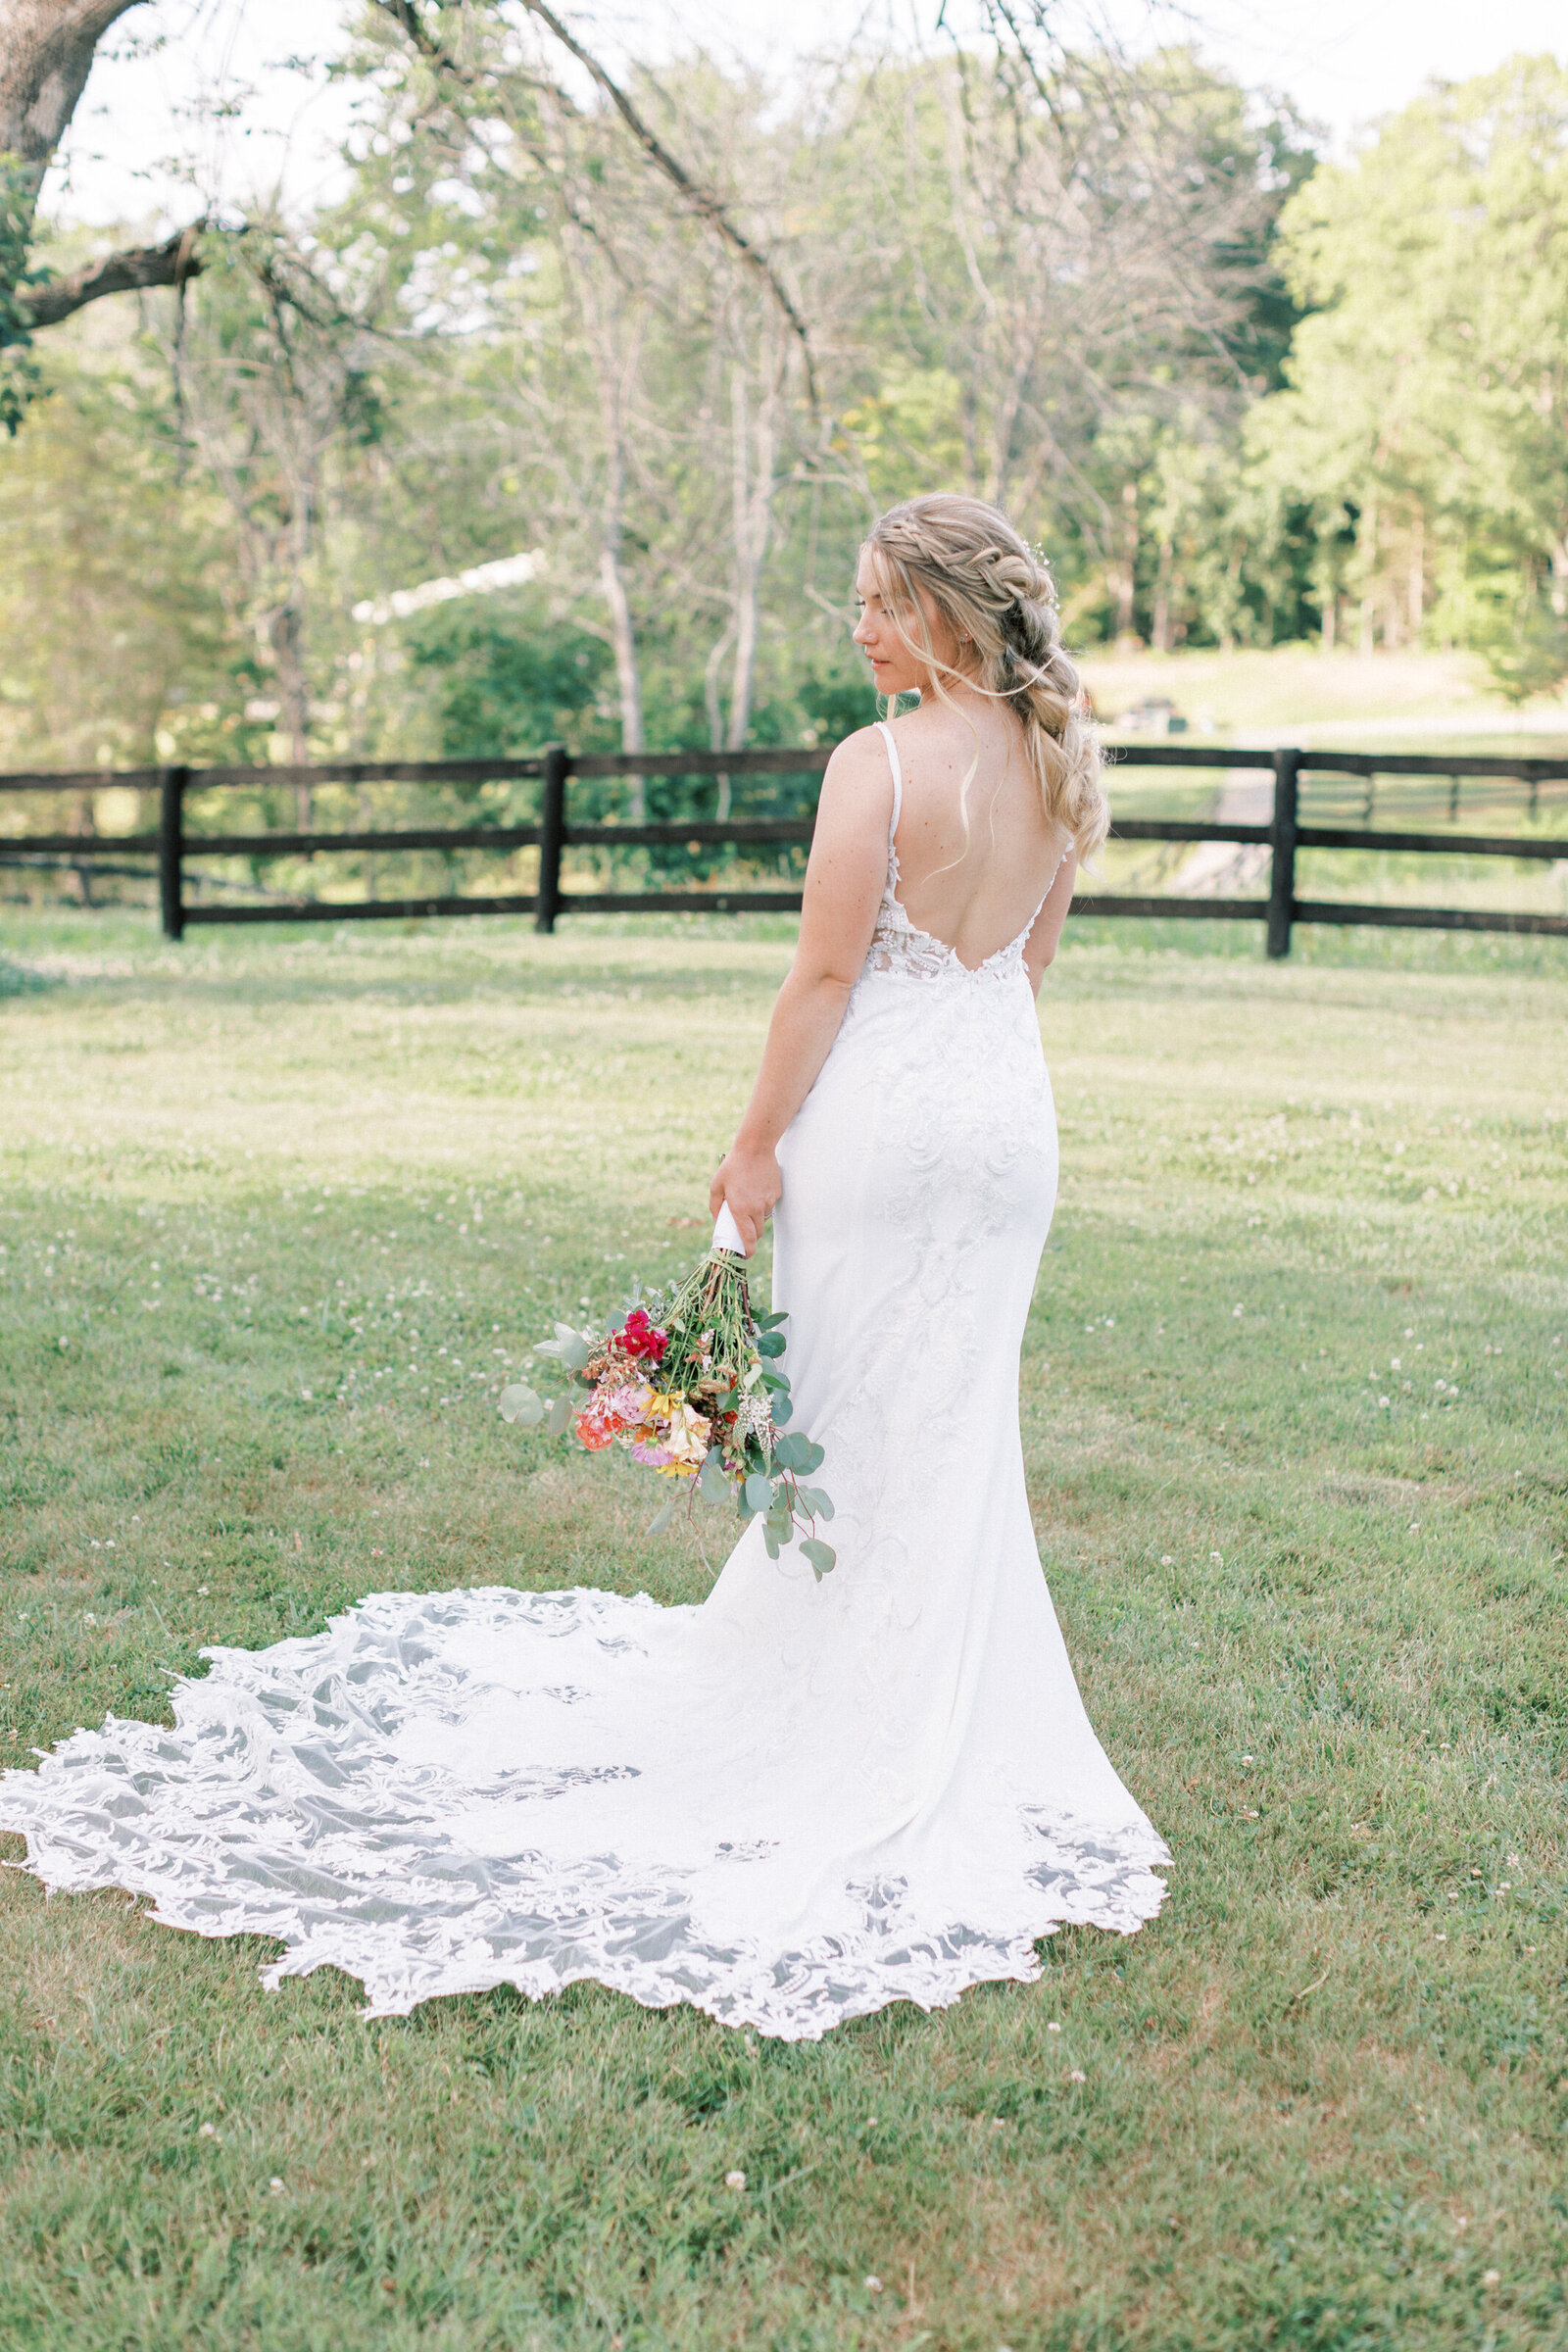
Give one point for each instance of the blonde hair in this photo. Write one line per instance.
(991, 587)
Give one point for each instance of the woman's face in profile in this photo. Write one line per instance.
(896, 668)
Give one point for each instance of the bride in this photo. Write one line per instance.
(801, 1800)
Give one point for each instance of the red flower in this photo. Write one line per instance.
(641, 1338)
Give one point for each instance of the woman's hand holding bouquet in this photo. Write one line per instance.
(690, 1386)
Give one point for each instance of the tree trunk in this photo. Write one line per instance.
(46, 54)
(1160, 637)
(1559, 578)
(752, 510)
(716, 709)
(285, 634)
(1417, 596)
(1369, 559)
(628, 677)
(1127, 576)
(615, 356)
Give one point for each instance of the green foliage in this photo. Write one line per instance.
(1238, 398)
(448, 368)
(1426, 413)
(20, 373)
(509, 678)
(115, 644)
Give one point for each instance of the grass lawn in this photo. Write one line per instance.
(1294, 1412)
(1334, 697)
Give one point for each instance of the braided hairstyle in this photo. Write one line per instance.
(991, 588)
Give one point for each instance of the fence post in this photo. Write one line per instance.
(171, 849)
(552, 828)
(1282, 842)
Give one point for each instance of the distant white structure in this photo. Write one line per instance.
(508, 571)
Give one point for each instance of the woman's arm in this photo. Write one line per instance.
(1041, 945)
(844, 880)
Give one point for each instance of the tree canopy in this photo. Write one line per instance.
(676, 337)
(1425, 415)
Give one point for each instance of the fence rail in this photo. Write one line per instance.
(1284, 834)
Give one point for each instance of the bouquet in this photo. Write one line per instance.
(690, 1385)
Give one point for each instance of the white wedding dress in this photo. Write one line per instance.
(789, 1805)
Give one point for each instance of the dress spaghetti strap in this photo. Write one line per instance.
(886, 733)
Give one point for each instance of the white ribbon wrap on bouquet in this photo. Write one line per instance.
(727, 1234)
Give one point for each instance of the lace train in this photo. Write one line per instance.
(297, 1798)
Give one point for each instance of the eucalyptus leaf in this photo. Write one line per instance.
(815, 1456)
(781, 1520)
(759, 1492)
(770, 1540)
(780, 1406)
(570, 1348)
(821, 1555)
(559, 1417)
(711, 1482)
(519, 1403)
(814, 1502)
(790, 1451)
(661, 1519)
(770, 1343)
(769, 1322)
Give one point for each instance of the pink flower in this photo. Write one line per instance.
(607, 1412)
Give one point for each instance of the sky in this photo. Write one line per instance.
(206, 103)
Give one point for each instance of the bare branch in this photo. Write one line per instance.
(168, 265)
(702, 201)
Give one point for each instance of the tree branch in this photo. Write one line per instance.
(702, 200)
(168, 265)
(406, 18)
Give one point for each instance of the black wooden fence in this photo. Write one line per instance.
(557, 831)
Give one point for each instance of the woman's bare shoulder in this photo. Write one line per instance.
(856, 754)
(857, 777)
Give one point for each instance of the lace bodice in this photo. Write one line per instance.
(899, 947)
